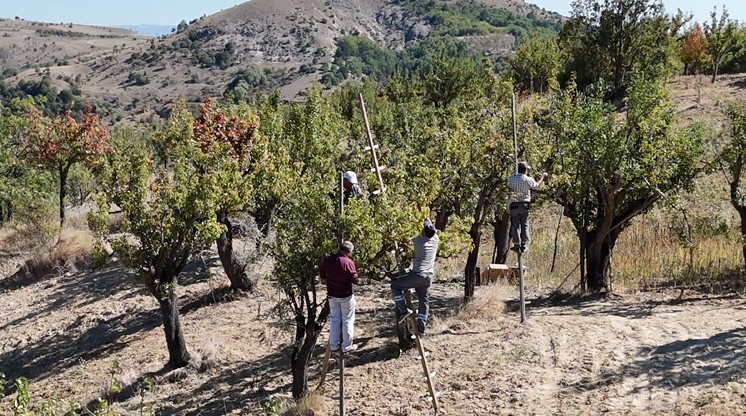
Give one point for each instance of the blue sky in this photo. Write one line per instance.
(171, 12)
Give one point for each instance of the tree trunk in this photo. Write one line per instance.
(471, 262)
(715, 71)
(502, 239)
(234, 268)
(63, 171)
(598, 260)
(742, 214)
(263, 217)
(441, 220)
(177, 349)
(307, 331)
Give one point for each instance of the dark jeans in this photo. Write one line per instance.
(519, 228)
(421, 284)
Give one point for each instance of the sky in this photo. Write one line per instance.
(171, 12)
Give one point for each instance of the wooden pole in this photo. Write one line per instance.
(372, 146)
(515, 132)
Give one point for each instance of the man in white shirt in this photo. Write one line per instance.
(521, 185)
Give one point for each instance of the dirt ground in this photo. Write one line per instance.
(637, 353)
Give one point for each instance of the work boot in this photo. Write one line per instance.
(404, 315)
(516, 248)
(421, 326)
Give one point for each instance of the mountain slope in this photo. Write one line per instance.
(260, 45)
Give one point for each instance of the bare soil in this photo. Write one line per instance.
(647, 353)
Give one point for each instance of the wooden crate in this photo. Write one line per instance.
(495, 273)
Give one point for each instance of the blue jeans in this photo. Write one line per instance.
(519, 229)
(421, 284)
(342, 321)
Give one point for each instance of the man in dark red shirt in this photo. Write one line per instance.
(340, 274)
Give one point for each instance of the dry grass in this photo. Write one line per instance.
(311, 404)
(72, 252)
(10, 240)
(488, 304)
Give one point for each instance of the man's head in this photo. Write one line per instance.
(350, 178)
(523, 167)
(346, 247)
(428, 229)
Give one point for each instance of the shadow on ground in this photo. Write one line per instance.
(604, 304)
(711, 361)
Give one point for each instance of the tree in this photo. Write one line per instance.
(721, 38)
(694, 50)
(612, 39)
(608, 168)
(230, 143)
(733, 159)
(536, 64)
(58, 144)
(170, 211)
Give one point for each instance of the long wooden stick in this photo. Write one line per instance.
(407, 297)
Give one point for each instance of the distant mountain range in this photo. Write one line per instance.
(149, 30)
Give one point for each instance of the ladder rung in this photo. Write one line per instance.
(376, 192)
(367, 148)
(433, 374)
(380, 168)
(427, 354)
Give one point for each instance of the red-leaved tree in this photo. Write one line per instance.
(231, 142)
(58, 143)
(694, 50)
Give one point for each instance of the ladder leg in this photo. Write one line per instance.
(425, 367)
(325, 366)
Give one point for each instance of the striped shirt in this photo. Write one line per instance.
(521, 185)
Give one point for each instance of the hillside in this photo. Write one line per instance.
(266, 43)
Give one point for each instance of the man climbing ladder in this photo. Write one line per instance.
(521, 185)
(420, 277)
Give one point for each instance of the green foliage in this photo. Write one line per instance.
(536, 64)
(610, 40)
(45, 95)
(21, 402)
(607, 169)
(251, 79)
(721, 37)
(138, 78)
(169, 208)
(469, 17)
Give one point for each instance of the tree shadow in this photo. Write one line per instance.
(715, 360)
(233, 386)
(605, 304)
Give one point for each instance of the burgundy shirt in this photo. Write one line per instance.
(340, 273)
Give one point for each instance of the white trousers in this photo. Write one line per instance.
(342, 320)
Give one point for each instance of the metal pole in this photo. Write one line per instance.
(520, 257)
(522, 290)
(341, 381)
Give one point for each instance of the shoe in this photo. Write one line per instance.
(405, 315)
(352, 347)
(524, 249)
(515, 248)
(421, 326)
